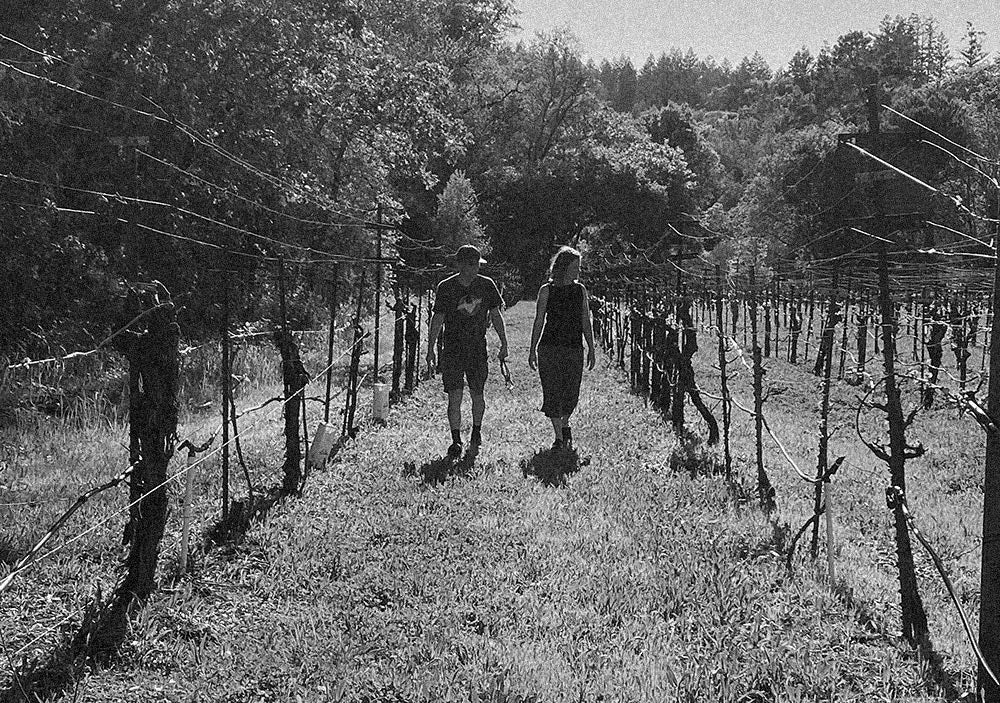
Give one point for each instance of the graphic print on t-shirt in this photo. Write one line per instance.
(469, 304)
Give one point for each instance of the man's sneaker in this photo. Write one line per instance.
(557, 445)
(476, 439)
(455, 450)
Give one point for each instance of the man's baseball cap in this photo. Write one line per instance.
(468, 254)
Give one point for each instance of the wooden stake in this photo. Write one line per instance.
(913, 615)
(724, 381)
(830, 545)
(989, 600)
(765, 490)
(186, 525)
(330, 340)
(227, 377)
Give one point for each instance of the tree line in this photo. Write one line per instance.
(175, 140)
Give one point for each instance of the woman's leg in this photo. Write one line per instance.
(549, 374)
(570, 397)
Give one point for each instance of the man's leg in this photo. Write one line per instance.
(455, 409)
(455, 421)
(454, 386)
(477, 374)
(478, 407)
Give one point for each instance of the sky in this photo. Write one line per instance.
(732, 29)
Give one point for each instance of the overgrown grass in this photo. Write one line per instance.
(635, 574)
(944, 492)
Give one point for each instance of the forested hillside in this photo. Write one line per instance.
(172, 139)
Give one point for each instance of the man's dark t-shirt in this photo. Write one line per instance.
(465, 310)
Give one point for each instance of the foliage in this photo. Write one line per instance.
(265, 118)
(277, 128)
(457, 221)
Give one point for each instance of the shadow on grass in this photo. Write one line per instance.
(242, 516)
(438, 471)
(60, 673)
(97, 643)
(9, 554)
(552, 466)
(107, 621)
(933, 661)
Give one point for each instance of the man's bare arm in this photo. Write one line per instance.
(496, 317)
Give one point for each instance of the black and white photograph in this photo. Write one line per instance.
(499, 351)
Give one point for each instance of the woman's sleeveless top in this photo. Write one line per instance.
(563, 317)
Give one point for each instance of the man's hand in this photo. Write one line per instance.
(431, 361)
(591, 359)
(502, 354)
(533, 360)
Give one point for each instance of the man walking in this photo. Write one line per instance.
(462, 305)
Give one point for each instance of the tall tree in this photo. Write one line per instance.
(457, 219)
(973, 54)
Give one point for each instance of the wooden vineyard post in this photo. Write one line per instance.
(776, 309)
(687, 347)
(829, 334)
(845, 317)
(675, 342)
(330, 341)
(398, 332)
(617, 351)
(412, 334)
(809, 326)
(960, 340)
(922, 339)
(153, 359)
(227, 379)
(989, 600)
(987, 335)
(376, 378)
(635, 361)
(794, 330)
(746, 314)
(863, 313)
(913, 615)
(351, 397)
(830, 544)
(935, 352)
(192, 454)
(766, 309)
(972, 311)
(188, 495)
(655, 352)
(734, 314)
(765, 491)
(724, 381)
(822, 460)
(294, 380)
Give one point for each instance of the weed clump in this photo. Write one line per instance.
(691, 456)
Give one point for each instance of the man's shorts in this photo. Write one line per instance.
(456, 369)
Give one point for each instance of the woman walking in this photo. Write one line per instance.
(562, 318)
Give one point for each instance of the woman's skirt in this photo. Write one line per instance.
(561, 371)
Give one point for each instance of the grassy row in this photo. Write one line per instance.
(517, 575)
